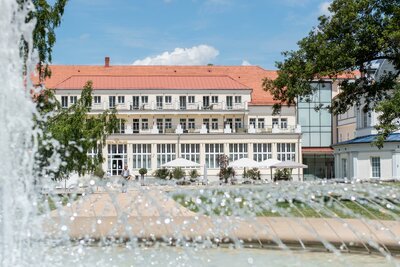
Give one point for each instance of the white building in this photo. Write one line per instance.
(355, 155)
(195, 112)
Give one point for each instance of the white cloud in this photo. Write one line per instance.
(246, 63)
(323, 8)
(196, 55)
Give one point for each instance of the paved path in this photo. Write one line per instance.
(149, 213)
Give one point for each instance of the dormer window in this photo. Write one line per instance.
(121, 99)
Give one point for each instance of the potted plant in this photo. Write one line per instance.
(142, 172)
(162, 173)
(194, 174)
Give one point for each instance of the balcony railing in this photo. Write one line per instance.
(209, 129)
(131, 106)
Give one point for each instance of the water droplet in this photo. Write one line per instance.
(98, 221)
(92, 182)
(64, 228)
(250, 260)
(167, 221)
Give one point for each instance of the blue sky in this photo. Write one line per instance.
(222, 32)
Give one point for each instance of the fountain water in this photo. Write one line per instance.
(167, 225)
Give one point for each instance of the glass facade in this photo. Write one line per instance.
(316, 125)
(320, 166)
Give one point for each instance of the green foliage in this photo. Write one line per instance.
(178, 173)
(98, 171)
(48, 18)
(351, 38)
(226, 173)
(194, 174)
(75, 133)
(162, 173)
(143, 171)
(283, 175)
(254, 174)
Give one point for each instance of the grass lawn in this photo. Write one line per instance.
(235, 204)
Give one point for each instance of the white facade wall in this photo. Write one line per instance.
(359, 156)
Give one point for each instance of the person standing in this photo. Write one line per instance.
(125, 178)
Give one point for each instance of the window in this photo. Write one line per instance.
(214, 124)
(145, 99)
(284, 123)
(160, 125)
(135, 126)
(275, 121)
(182, 122)
(168, 123)
(206, 122)
(111, 101)
(120, 127)
(286, 151)
(141, 156)
(97, 99)
(229, 100)
(168, 99)
(165, 153)
(376, 167)
(121, 99)
(92, 153)
(191, 99)
(261, 123)
(214, 99)
(262, 152)
(73, 99)
(117, 158)
(191, 152)
(64, 101)
(365, 119)
(159, 101)
(344, 168)
(191, 124)
(213, 151)
(253, 122)
(238, 123)
(237, 151)
(145, 124)
(238, 99)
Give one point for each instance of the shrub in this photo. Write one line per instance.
(143, 171)
(178, 173)
(226, 173)
(194, 174)
(254, 174)
(283, 175)
(183, 182)
(99, 172)
(162, 173)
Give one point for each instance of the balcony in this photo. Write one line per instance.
(174, 106)
(210, 129)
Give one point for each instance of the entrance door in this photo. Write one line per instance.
(182, 102)
(135, 102)
(229, 122)
(117, 166)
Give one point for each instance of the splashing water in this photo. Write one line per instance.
(17, 146)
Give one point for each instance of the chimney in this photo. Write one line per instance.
(107, 62)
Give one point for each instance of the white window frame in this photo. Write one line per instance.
(214, 123)
(97, 99)
(262, 151)
(73, 99)
(145, 99)
(212, 154)
(261, 123)
(376, 167)
(191, 123)
(238, 99)
(141, 156)
(238, 151)
(64, 101)
(214, 99)
(168, 99)
(121, 99)
(286, 151)
(191, 99)
(165, 153)
(145, 124)
(191, 152)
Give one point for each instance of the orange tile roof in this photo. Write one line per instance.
(249, 76)
(101, 82)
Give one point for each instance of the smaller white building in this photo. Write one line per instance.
(358, 158)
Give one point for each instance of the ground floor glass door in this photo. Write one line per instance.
(117, 158)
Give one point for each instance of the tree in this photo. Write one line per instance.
(48, 18)
(351, 38)
(68, 135)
